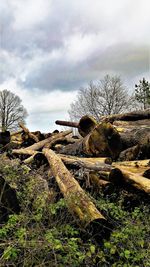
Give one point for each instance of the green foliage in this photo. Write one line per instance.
(142, 93)
(45, 234)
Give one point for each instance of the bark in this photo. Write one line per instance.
(102, 141)
(121, 174)
(78, 202)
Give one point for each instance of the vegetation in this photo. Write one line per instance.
(45, 234)
(11, 111)
(108, 96)
(142, 93)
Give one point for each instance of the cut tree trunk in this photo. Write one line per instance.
(85, 125)
(78, 202)
(118, 175)
(102, 141)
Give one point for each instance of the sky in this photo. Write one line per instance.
(51, 48)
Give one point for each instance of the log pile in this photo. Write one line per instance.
(114, 152)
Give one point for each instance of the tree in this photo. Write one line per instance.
(11, 111)
(142, 93)
(108, 96)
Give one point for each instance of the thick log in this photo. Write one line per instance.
(102, 141)
(137, 152)
(131, 116)
(135, 137)
(119, 175)
(129, 153)
(26, 130)
(78, 202)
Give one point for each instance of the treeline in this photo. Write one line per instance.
(109, 96)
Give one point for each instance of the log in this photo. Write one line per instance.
(26, 130)
(85, 125)
(131, 116)
(133, 163)
(135, 137)
(129, 153)
(42, 143)
(137, 152)
(67, 123)
(102, 141)
(24, 151)
(78, 202)
(98, 164)
(67, 140)
(120, 175)
(88, 160)
(98, 183)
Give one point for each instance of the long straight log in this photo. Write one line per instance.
(131, 116)
(117, 175)
(67, 123)
(78, 202)
(133, 163)
(98, 164)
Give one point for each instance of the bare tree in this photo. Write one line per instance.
(11, 111)
(108, 96)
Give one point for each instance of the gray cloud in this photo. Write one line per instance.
(60, 45)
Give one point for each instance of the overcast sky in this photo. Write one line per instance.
(50, 48)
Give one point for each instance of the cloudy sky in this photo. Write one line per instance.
(50, 48)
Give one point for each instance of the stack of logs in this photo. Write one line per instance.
(115, 151)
